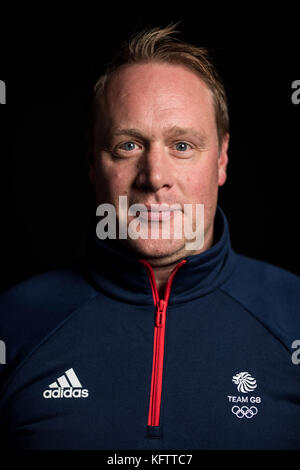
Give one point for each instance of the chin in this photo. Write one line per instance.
(156, 248)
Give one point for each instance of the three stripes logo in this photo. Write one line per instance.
(66, 386)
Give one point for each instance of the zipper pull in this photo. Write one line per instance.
(160, 317)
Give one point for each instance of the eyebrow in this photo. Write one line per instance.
(174, 131)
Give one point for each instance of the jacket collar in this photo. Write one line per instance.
(120, 274)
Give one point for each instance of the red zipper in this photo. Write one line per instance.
(159, 341)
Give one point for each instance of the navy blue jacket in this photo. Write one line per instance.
(95, 360)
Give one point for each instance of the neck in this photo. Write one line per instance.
(162, 274)
(163, 267)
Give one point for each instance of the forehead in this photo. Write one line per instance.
(158, 92)
(153, 74)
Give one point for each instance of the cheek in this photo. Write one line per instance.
(201, 183)
(110, 183)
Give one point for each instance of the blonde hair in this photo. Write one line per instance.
(158, 45)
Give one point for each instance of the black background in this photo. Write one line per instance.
(50, 63)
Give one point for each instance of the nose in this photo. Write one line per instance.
(154, 170)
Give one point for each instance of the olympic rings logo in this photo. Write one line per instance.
(244, 411)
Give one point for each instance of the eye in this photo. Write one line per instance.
(182, 146)
(128, 146)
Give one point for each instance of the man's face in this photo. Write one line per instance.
(155, 141)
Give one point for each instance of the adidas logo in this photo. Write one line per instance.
(66, 386)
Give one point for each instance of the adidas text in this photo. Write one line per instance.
(66, 393)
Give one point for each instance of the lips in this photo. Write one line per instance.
(157, 212)
(156, 215)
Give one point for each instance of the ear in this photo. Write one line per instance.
(223, 161)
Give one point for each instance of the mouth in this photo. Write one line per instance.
(156, 215)
(157, 212)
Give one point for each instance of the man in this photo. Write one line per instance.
(155, 343)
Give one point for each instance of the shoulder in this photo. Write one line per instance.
(48, 295)
(259, 279)
(59, 287)
(270, 293)
(31, 309)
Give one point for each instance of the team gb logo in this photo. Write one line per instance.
(245, 383)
